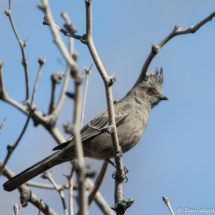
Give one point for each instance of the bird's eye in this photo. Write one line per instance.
(149, 90)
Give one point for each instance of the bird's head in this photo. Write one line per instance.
(150, 90)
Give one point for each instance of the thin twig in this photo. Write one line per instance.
(12, 147)
(48, 175)
(22, 46)
(1, 78)
(88, 72)
(70, 179)
(48, 186)
(167, 202)
(41, 61)
(16, 208)
(26, 195)
(71, 40)
(156, 48)
(2, 124)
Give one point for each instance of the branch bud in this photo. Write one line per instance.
(7, 12)
(41, 6)
(45, 21)
(57, 76)
(47, 175)
(10, 147)
(75, 56)
(75, 70)
(41, 60)
(70, 28)
(155, 49)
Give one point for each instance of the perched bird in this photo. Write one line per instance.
(131, 116)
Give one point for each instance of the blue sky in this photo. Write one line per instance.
(175, 156)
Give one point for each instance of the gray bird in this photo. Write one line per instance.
(131, 116)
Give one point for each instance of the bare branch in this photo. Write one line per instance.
(57, 37)
(26, 195)
(98, 182)
(41, 61)
(22, 46)
(100, 201)
(167, 202)
(70, 27)
(12, 147)
(88, 72)
(48, 175)
(156, 48)
(48, 186)
(2, 124)
(79, 149)
(108, 82)
(70, 179)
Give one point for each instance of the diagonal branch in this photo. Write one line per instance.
(98, 182)
(48, 175)
(26, 195)
(2, 124)
(12, 147)
(177, 31)
(22, 46)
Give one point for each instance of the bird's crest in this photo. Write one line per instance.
(155, 79)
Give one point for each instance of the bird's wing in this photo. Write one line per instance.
(100, 124)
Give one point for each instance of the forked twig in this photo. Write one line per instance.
(22, 46)
(48, 175)
(176, 31)
(12, 147)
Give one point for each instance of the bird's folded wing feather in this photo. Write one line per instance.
(100, 124)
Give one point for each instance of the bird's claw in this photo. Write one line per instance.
(126, 171)
(122, 176)
(110, 129)
(119, 153)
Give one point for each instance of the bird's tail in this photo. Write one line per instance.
(35, 170)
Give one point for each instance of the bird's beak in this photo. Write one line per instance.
(162, 98)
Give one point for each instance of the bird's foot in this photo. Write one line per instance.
(122, 176)
(119, 153)
(110, 129)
